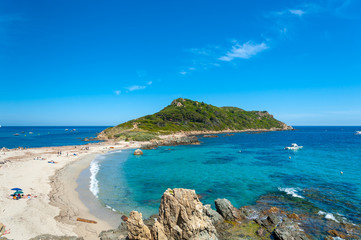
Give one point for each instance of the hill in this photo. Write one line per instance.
(184, 115)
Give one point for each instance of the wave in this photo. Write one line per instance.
(328, 216)
(291, 191)
(94, 169)
(111, 208)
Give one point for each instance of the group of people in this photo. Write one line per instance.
(17, 196)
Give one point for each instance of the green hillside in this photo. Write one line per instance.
(187, 115)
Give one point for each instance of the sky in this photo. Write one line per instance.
(106, 62)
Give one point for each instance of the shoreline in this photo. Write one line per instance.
(54, 203)
(67, 196)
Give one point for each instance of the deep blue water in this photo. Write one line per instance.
(307, 180)
(45, 136)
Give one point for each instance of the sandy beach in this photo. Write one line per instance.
(53, 205)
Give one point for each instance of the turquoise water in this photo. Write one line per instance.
(45, 136)
(307, 180)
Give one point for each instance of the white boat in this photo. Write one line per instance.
(294, 146)
(358, 133)
(66, 129)
(30, 132)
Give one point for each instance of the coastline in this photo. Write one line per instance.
(58, 203)
(66, 196)
(54, 203)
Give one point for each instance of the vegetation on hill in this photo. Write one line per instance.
(187, 115)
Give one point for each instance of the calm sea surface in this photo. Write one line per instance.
(45, 136)
(245, 168)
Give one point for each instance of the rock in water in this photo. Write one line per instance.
(138, 152)
(137, 230)
(227, 210)
(182, 216)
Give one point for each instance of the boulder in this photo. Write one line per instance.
(138, 152)
(227, 210)
(289, 230)
(212, 214)
(137, 230)
(182, 216)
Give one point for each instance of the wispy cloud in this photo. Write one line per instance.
(117, 92)
(244, 51)
(297, 12)
(135, 88)
(139, 87)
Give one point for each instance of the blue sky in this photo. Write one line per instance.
(102, 63)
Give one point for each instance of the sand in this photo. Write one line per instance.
(57, 205)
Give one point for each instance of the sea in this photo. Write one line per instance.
(321, 181)
(46, 136)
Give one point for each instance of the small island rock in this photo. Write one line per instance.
(138, 152)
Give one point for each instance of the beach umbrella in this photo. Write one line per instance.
(18, 192)
(16, 189)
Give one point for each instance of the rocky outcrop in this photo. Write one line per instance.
(227, 210)
(289, 230)
(171, 142)
(137, 230)
(182, 216)
(212, 214)
(138, 152)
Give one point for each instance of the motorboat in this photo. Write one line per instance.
(16, 134)
(30, 132)
(294, 146)
(358, 133)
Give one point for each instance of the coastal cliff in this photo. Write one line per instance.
(192, 117)
(183, 216)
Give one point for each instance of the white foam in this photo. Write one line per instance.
(328, 216)
(110, 208)
(291, 191)
(94, 184)
(94, 169)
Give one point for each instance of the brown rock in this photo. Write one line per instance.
(182, 216)
(337, 234)
(138, 152)
(293, 216)
(271, 210)
(137, 230)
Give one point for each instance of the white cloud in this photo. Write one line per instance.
(297, 12)
(244, 51)
(118, 92)
(149, 83)
(136, 87)
(183, 73)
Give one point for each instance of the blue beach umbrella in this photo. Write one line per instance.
(16, 189)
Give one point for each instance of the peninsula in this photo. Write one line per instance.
(191, 117)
